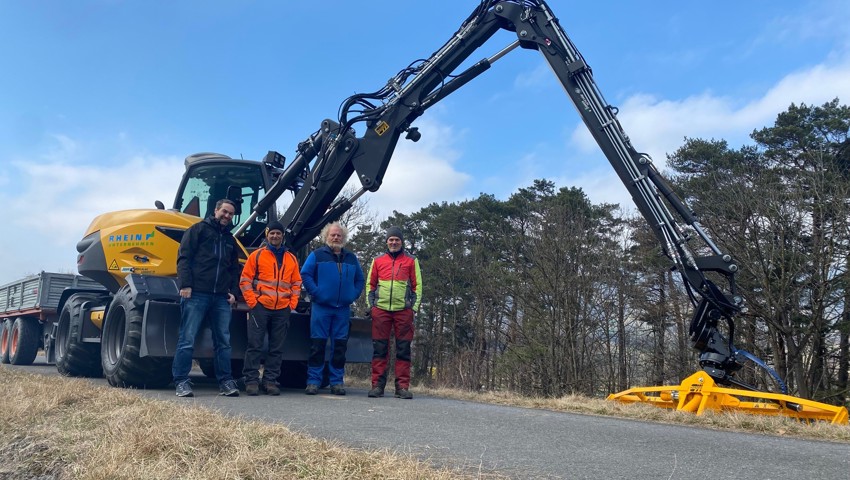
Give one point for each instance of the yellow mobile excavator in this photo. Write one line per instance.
(133, 253)
(128, 332)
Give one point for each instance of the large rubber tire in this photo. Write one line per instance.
(25, 341)
(75, 358)
(5, 340)
(119, 348)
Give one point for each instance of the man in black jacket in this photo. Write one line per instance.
(207, 275)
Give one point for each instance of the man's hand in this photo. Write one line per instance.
(231, 299)
(186, 292)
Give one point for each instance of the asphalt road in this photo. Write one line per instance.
(527, 443)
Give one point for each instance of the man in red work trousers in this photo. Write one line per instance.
(395, 292)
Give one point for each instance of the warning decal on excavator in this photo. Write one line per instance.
(113, 265)
(381, 127)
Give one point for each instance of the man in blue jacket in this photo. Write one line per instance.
(334, 279)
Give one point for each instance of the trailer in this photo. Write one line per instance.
(29, 313)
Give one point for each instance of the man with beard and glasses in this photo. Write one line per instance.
(207, 276)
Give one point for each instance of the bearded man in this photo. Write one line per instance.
(334, 279)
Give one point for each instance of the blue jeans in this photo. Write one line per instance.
(214, 306)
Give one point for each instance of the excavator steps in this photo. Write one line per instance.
(699, 393)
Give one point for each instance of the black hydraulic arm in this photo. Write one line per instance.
(682, 239)
(328, 158)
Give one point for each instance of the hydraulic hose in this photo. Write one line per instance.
(770, 371)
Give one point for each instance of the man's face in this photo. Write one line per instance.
(224, 214)
(274, 237)
(334, 239)
(393, 244)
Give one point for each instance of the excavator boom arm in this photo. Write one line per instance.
(328, 158)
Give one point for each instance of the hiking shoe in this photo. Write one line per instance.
(403, 393)
(271, 389)
(337, 389)
(376, 392)
(228, 388)
(311, 389)
(184, 389)
(252, 389)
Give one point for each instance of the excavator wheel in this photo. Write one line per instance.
(119, 348)
(5, 340)
(75, 358)
(24, 343)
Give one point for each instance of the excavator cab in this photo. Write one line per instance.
(210, 177)
(146, 241)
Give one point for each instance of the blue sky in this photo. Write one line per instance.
(102, 99)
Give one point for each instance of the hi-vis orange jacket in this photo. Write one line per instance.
(272, 286)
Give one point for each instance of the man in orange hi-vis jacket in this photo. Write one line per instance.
(271, 285)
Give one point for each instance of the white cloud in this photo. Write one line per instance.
(57, 196)
(815, 19)
(539, 77)
(420, 173)
(659, 126)
(601, 186)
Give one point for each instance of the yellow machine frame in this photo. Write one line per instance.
(699, 393)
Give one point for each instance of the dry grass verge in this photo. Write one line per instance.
(778, 426)
(765, 425)
(57, 428)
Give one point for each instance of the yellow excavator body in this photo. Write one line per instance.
(142, 241)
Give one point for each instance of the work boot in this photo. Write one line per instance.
(252, 389)
(271, 389)
(228, 388)
(376, 392)
(184, 388)
(403, 393)
(311, 389)
(337, 389)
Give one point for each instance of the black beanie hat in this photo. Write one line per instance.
(275, 225)
(394, 232)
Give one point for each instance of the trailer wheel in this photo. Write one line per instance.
(74, 358)
(119, 348)
(24, 342)
(5, 340)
